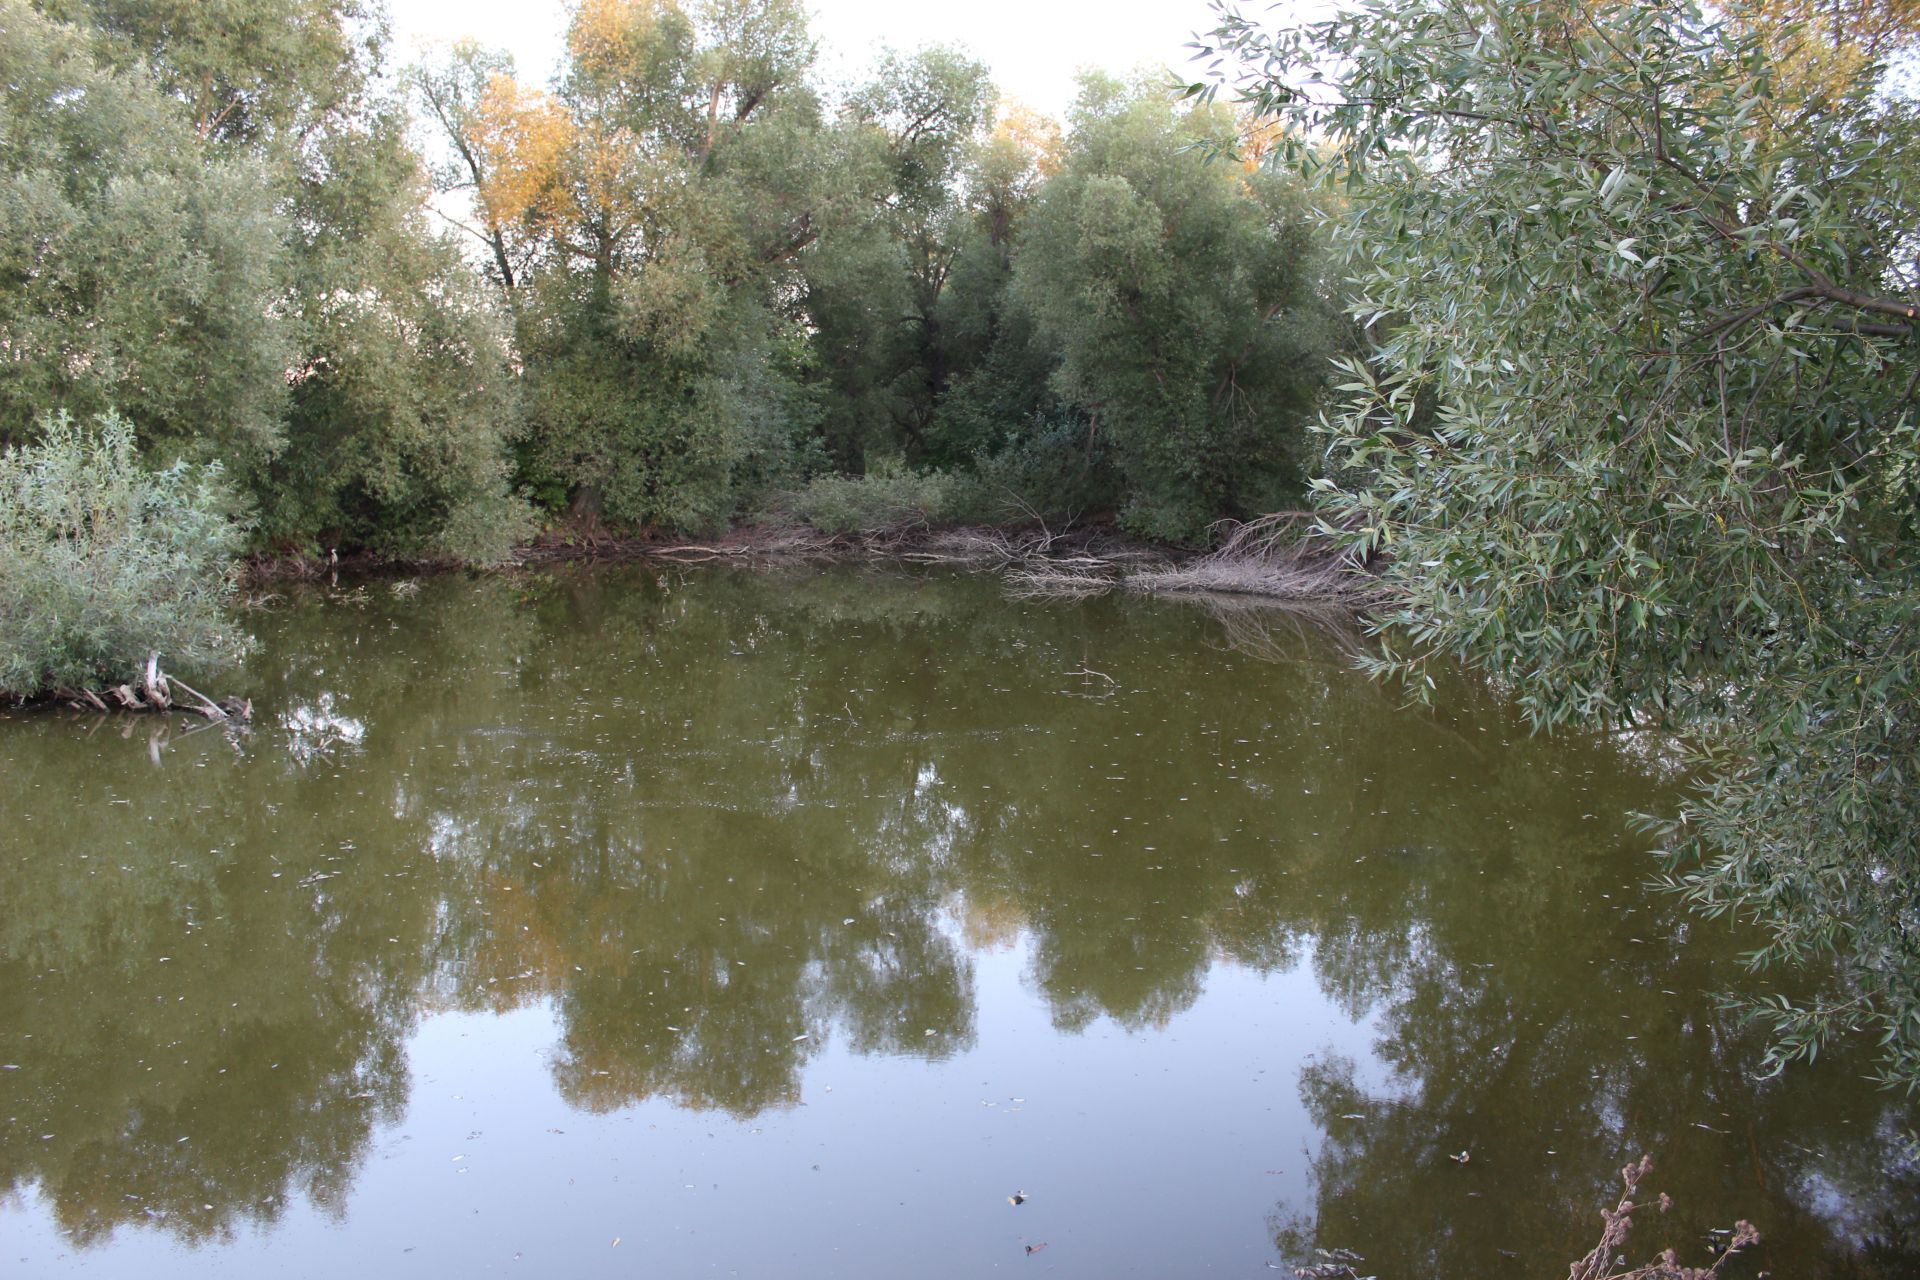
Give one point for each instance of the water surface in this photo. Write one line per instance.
(788, 923)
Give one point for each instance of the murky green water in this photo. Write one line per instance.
(785, 924)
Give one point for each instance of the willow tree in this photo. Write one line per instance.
(242, 264)
(136, 270)
(1184, 302)
(647, 215)
(1640, 436)
(999, 407)
(470, 98)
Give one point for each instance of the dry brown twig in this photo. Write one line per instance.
(1264, 557)
(1606, 1258)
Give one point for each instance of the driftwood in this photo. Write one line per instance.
(156, 693)
(1262, 559)
(80, 696)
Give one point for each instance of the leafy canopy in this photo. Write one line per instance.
(216, 227)
(1184, 300)
(135, 270)
(1638, 434)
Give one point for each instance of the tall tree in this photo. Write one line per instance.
(999, 372)
(475, 106)
(136, 270)
(391, 412)
(249, 72)
(929, 106)
(1819, 50)
(1183, 298)
(403, 404)
(672, 184)
(873, 292)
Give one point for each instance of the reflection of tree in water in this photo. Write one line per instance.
(196, 1040)
(718, 820)
(208, 998)
(1489, 1055)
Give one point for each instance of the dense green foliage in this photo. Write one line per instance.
(658, 368)
(888, 499)
(215, 226)
(102, 561)
(1181, 297)
(136, 270)
(726, 282)
(695, 279)
(1640, 435)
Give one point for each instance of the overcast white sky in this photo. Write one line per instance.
(1035, 47)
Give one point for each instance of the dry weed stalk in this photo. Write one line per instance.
(1607, 1256)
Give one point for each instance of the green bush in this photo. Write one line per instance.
(1058, 472)
(102, 561)
(888, 499)
(486, 529)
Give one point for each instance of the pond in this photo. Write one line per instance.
(798, 923)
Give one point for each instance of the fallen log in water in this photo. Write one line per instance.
(156, 693)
